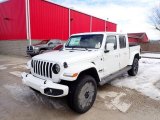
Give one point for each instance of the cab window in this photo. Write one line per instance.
(112, 39)
(122, 41)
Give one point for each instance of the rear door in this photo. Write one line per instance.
(111, 58)
(123, 51)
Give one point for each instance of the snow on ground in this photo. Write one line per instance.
(144, 82)
(116, 102)
(16, 73)
(151, 55)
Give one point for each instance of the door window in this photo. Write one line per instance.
(112, 39)
(122, 41)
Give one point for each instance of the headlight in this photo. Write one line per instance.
(56, 68)
(36, 48)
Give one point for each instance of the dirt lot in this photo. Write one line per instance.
(18, 102)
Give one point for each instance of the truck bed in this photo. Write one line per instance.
(134, 49)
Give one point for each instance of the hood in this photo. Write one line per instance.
(69, 56)
(40, 45)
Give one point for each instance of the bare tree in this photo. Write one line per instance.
(155, 17)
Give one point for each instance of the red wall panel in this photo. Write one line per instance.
(98, 25)
(111, 27)
(133, 40)
(79, 22)
(48, 21)
(12, 20)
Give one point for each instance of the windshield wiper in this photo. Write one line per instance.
(72, 47)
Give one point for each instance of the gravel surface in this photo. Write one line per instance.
(18, 102)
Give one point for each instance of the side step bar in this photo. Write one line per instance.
(106, 79)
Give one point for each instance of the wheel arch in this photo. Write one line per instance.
(92, 72)
(134, 55)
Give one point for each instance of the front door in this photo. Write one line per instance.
(111, 58)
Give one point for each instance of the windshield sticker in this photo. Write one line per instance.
(98, 45)
(75, 41)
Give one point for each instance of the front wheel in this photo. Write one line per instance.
(82, 94)
(133, 71)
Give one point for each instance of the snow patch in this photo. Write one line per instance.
(144, 82)
(16, 73)
(151, 55)
(109, 105)
(104, 94)
(29, 97)
(121, 106)
(21, 66)
(4, 66)
(115, 102)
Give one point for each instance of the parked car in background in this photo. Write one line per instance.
(58, 47)
(42, 46)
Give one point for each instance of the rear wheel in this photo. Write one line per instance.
(82, 94)
(133, 71)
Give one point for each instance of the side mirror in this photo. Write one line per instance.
(109, 47)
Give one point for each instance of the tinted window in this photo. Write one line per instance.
(112, 39)
(122, 41)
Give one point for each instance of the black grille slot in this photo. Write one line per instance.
(42, 68)
(39, 67)
(47, 72)
(50, 70)
(36, 66)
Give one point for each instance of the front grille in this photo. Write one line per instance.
(42, 68)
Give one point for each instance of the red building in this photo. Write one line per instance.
(138, 38)
(43, 19)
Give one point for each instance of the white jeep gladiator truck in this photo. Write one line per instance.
(86, 61)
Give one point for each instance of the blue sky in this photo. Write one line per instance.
(130, 15)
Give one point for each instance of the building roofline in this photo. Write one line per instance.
(50, 1)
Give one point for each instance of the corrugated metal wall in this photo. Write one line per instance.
(48, 21)
(51, 21)
(111, 26)
(98, 24)
(12, 20)
(79, 22)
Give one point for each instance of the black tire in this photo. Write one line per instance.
(31, 55)
(41, 51)
(82, 94)
(133, 71)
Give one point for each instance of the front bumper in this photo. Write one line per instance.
(31, 52)
(46, 87)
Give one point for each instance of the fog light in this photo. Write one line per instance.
(54, 92)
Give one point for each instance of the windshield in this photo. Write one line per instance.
(44, 41)
(85, 41)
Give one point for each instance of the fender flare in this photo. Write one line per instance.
(132, 57)
(78, 68)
